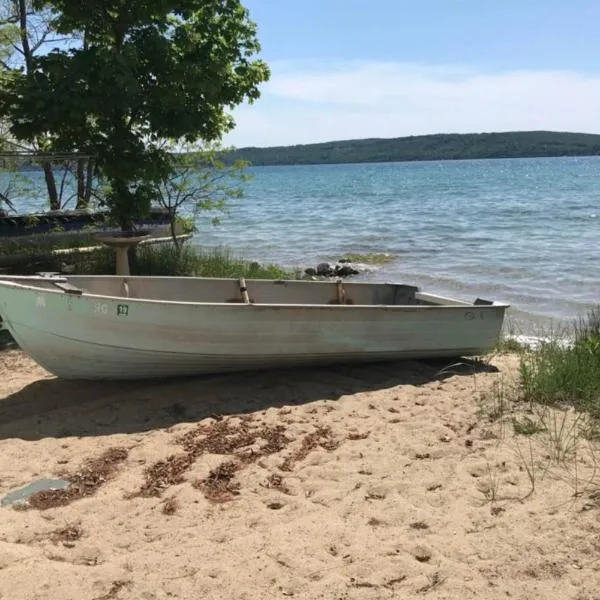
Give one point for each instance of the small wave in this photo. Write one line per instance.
(533, 342)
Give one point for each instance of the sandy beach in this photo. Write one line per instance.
(370, 482)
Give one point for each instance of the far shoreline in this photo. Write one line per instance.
(424, 160)
(424, 148)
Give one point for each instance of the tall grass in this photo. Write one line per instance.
(165, 260)
(559, 373)
(34, 254)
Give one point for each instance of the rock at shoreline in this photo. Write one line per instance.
(345, 271)
(327, 270)
(349, 265)
(324, 269)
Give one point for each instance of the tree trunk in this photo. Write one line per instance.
(23, 24)
(81, 184)
(28, 57)
(87, 194)
(51, 186)
(120, 208)
(176, 242)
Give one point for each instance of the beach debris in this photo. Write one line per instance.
(275, 438)
(67, 534)
(433, 487)
(362, 584)
(22, 495)
(276, 482)
(240, 438)
(219, 437)
(433, 581)
(391, 582)
(322, 437)
(115, 588)
(51, 493)
(355, 435)
(220, 486)
(376, 493)
(170, 506)
(165, 473)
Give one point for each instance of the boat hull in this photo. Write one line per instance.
(99, 337)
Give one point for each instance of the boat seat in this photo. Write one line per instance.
(68, 288)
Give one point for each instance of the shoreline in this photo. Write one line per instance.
(371, 267)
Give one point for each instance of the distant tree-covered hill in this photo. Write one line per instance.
(519, 144)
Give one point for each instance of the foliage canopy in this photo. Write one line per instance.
(144, 73)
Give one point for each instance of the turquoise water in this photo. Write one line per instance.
(522, 231)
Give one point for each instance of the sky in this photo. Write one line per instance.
(347, 69)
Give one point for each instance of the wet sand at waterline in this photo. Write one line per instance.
(362, 482)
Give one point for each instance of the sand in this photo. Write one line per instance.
(383, 481)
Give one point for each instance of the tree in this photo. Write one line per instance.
(199, 182)
(149, 71)
(27, 30)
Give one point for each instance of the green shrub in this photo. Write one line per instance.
(559, 373)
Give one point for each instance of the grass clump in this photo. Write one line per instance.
(370, 259)
(559, 373)
(509, 345)
(527, 426)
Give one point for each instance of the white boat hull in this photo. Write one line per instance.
(94, 336)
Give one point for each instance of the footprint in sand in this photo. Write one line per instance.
(377, 493)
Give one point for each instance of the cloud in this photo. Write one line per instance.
(304, 103)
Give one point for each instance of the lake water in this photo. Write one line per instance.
(522, 231)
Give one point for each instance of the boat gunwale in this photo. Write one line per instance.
(456, 304)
